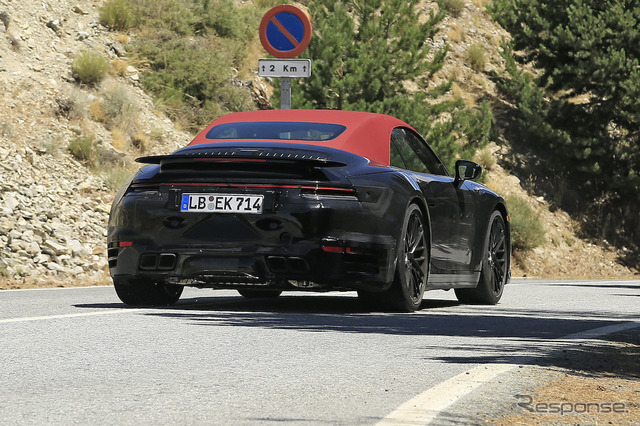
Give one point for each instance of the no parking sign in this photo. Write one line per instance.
(285, 32)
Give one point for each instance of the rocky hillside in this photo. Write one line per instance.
(54, 209)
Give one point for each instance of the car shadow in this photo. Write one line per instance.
(528, 336)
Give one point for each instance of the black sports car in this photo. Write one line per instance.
(267, 201)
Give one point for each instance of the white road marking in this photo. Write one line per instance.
(12, 290)
(85, 314)
(426, 407)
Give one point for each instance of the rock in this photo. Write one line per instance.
(118, 49)
(5, 19)
(80, 10)
(32, 248)
(55, 25)
(10, 202)
(78, 249)
(55, 247)
(55, 267)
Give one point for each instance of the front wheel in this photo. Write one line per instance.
(412, 268)
(145, 292)
(495, 264)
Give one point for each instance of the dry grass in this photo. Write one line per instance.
(118, 139)
(96, 112)
(119, 67)
(123, 39)
(456, 33)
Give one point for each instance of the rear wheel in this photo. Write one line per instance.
(495, 263)
(144, 292)
(251, 293)
(412, 268)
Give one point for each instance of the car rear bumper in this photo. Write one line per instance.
(329, 263)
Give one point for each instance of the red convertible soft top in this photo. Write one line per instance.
(366, 134)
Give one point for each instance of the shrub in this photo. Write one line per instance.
(89, 66)
(527, 231)
(115, 177)
(117, 15)
(82, 149)
(454, 7)
(485, 158)
(120, 107)
(475, 57)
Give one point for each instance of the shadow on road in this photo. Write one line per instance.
(529, 336)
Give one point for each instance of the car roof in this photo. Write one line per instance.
(367, 134)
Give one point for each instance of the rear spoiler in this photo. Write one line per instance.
(242, 157)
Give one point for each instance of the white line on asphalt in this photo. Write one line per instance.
(425, 408)
(85, 314)
(11, 290)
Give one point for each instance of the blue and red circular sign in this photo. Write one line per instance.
(285, 31)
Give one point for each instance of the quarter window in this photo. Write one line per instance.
(409, 151)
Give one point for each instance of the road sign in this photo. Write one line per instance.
(284, 68)
(285, 31)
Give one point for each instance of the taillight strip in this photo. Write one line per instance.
(310, 189)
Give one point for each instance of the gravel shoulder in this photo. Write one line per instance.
(597, 382)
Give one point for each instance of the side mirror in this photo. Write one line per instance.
(467, 170)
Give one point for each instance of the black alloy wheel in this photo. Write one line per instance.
(412, 268)
(145, 292)
(495, 264)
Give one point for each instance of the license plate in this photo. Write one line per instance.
(222, 203)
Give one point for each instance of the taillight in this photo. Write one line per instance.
(327, 192)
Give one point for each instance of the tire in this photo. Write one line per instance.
(251, 293)
(412, 269)
(495, 263)
(143, 292)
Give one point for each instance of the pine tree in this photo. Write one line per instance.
(364, 52)
(587, 104)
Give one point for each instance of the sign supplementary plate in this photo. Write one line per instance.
(284, 68)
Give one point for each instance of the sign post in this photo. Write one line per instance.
(285, 32)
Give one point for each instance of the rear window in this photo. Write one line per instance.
(279, 130)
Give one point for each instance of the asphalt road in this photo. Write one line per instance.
(79, 356)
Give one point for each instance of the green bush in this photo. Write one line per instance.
(527, 231)
(82, 149)
(117, 15)
(193, 51)
(475, 57)
(89, 66)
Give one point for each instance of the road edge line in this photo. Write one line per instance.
(85, 314)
